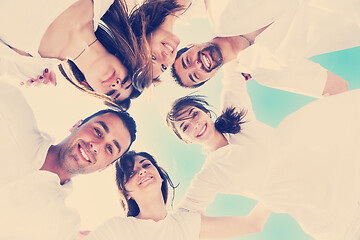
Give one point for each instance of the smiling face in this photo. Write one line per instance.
(195, 126)
(144, 178)
(163, 45)
(94, 145)
(198, 64)
(107, 75)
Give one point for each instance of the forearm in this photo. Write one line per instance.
(227, 227)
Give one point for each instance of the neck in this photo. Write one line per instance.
(86, 57)
(231, 46)
(216, 142)
(152, 207)
(52, 164)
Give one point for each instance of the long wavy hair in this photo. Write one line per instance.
(229, 121)
(144, 20)
(124, 167)
(116, 35)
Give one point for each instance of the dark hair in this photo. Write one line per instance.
(125, 117)
(124, 167)
(146, 19)
(115, 34)
(228, 122)
(175, 75)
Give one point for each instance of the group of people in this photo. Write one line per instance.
(307, 167)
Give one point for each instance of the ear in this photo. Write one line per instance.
(76, 125)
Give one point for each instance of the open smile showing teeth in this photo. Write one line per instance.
(168, 46)
(83, 154)
(202, 131)
(145, 180)
(206, 61)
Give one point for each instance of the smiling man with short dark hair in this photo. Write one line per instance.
(35, 177)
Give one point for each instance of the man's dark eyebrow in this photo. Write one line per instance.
(104, 126)
(191, 78)
(117, 145)
(183, 63)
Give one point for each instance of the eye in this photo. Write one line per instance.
(146, 165)
(187, 60)
(132, 174)
(109, 148)
(195, 114)
(153, 57)
(124, 80)
(98, 132)
(185, 128)
(163, 67)
(196, 76)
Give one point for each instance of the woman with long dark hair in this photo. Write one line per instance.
(303, 168)
(104, 63)
(144, 187)
(152, 23)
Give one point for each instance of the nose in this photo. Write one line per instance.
(115, 83)
(142, 172)
(94, 147)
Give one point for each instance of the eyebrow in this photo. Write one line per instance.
(103, 124)
(141, 161)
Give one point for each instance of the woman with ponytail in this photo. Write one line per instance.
(303, 168)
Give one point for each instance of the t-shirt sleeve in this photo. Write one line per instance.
(302, 76)
(203, 188)
(234, 93)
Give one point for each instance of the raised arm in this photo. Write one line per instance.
(228, 227)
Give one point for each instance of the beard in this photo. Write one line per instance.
(215, 54)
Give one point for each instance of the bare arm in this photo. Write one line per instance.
(227, 227)
(334, 84)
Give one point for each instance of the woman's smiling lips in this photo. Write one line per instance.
(145, 179)
(202, 131)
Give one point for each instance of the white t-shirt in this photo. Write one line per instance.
(315, 169)
(23, 147)
(308, 167)
(239, 167)
(32, 203)
(176, 226)
(299, 30)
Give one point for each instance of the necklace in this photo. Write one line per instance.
(250, 42)
(85, 48)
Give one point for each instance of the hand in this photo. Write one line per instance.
(46, 78)
(247, 76)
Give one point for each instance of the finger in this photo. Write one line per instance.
(52, 78)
